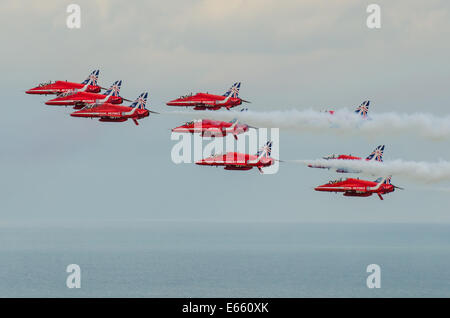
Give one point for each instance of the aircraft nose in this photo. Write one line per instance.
(173, 102)
(32, 91)
(319, 188)
(76, 114)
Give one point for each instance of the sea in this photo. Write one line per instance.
(146, 258)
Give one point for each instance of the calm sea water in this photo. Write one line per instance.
(168, 259)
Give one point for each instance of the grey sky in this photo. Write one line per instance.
(288, 54)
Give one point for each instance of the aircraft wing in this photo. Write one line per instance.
(216, 159)
(210, 103)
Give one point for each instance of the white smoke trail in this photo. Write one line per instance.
(343, 121)
(424, 172)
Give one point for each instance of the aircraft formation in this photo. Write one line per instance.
(352, 187)
(88, 102)
(86, 99)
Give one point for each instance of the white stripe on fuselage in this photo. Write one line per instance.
(184, 102)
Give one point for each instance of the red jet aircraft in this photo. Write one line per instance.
(213, 128)
(239, 161)
(80, 98)
(376, 155)
(361, 110)
(359, 188)
(108, 112)
(202, 101)
(64, 86)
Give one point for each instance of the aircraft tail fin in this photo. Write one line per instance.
(388, 180)
(265, 150)
(93, 76)
(83, 89)
(363, 109)
(233, 91)
(140, 101)
(380, 182)
(377, 154)
(114, 90)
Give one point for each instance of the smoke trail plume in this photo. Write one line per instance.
(341, 122)
(424, 172)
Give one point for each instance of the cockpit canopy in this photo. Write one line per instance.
(89, 106)
(185, 96)
(192, 122)
(67, 93)
(45, 84)
(333, 156)
(335, 181)
(216, 155)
